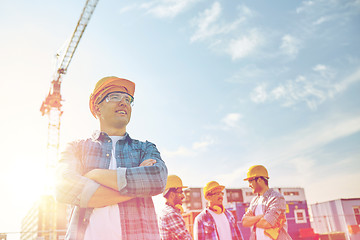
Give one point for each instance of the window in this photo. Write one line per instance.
(196, 195)
(300, 216)
(233, 195)
(357, 214)
(291, 193)
(196, 205)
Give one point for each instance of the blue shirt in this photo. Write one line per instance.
(206, 227)
(137, 216)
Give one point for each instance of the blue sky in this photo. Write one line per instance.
(220, 86)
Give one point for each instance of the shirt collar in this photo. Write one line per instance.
(267, 193)
(101, 136)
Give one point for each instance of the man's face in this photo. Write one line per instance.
(115, 114)
(178, 196)
(216, 197)
(255, 185)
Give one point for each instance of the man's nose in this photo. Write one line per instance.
(122, 102)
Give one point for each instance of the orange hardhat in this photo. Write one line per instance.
(256, 171)
(107, 85)
(173, 181)
(210, 186)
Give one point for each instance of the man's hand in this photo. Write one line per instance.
(250, 220)
(249, 213)
(148, 162)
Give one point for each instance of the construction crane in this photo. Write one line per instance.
(51, 106)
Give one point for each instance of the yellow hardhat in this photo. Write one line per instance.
(173, 181)
(257, 171)
(107, 85)
(210, 186)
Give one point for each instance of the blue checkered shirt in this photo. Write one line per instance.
(274, 205)
(172, 225)
(206, 226)
(137, 216)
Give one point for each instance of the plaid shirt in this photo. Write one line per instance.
(274, 206)
(172, 225)
(206, 228)
(137, 216)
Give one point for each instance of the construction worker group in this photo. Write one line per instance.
(110, 178)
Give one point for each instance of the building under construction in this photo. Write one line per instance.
(46, 220)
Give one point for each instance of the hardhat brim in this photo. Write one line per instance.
(217, 187)
(250, 178)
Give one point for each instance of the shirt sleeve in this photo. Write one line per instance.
(144, 181)
(71, 187)
(176, 225)
(195, 230)
(199, 232)
(275, 208)
(247, 213)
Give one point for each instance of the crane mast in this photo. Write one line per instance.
(51, 107)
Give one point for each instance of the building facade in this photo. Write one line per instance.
(46, 220)
(341, 215)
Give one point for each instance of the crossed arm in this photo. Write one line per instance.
(107, 193)
(250, 220)
(103, 187)
(276, 208)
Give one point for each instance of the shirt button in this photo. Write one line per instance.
(107, 154)
(109, 140)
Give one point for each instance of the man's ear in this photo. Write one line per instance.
(97, 110)
(171, 195)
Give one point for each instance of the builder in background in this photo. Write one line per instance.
(110, 177)
(171, 223)
(215, 222)
(266, 213)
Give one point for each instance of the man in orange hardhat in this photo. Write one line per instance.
(215, 222)
(110, 177)
(171, 223)
(266, 213)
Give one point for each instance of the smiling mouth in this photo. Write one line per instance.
(121, 112)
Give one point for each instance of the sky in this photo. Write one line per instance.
(221, 85)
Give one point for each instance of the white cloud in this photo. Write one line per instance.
(319, 68)
(345, 83)
(209, 25)
(278, 92)
(290, 45)
(168, 8)
(325, 71)
(182, 151)
(202, 145)
(304, 6)
(128, 8)
(244, 45)
(321, 20)
(231, 120)
(259, 94)
(204, 21)
(312, 89)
